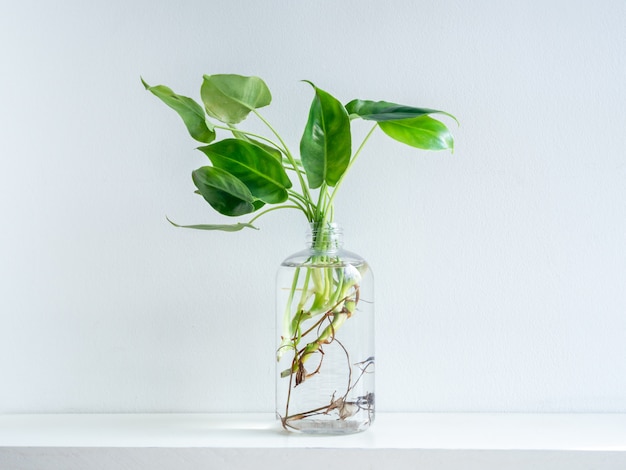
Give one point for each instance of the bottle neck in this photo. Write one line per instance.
(327, 237)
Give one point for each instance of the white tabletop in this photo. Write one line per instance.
(470, 431)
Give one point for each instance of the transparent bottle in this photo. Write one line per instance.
(325, 338)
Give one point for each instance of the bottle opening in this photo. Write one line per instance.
(326, 237)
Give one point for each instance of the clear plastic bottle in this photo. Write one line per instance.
(325, 338)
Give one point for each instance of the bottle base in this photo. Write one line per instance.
(326, 426)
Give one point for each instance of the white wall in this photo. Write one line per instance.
(500, 269)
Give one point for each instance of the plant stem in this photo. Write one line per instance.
(275, 209)
(319, 214)
(292, 160)
(251, 134)
(300, 206)
(309, 212)
(356, 154)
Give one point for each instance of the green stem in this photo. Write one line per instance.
(287, 332)
(309, 210)
(252, 134)
(300, 206)
(292, 160)
(329, 204)
(319, 215)
(275, 209)
(299, 163)
(305, 291)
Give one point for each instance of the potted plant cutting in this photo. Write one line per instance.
(324, 346)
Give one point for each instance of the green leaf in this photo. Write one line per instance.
(422, 132)
(263, 175)
(222, 227)
(257, 203)
(226, 193)
(273, 151)
(191, 112)
(385, 111)
(325, 146)
(230, 98)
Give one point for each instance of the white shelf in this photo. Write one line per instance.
(438, 441)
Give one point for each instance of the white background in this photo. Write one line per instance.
(500, 269)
